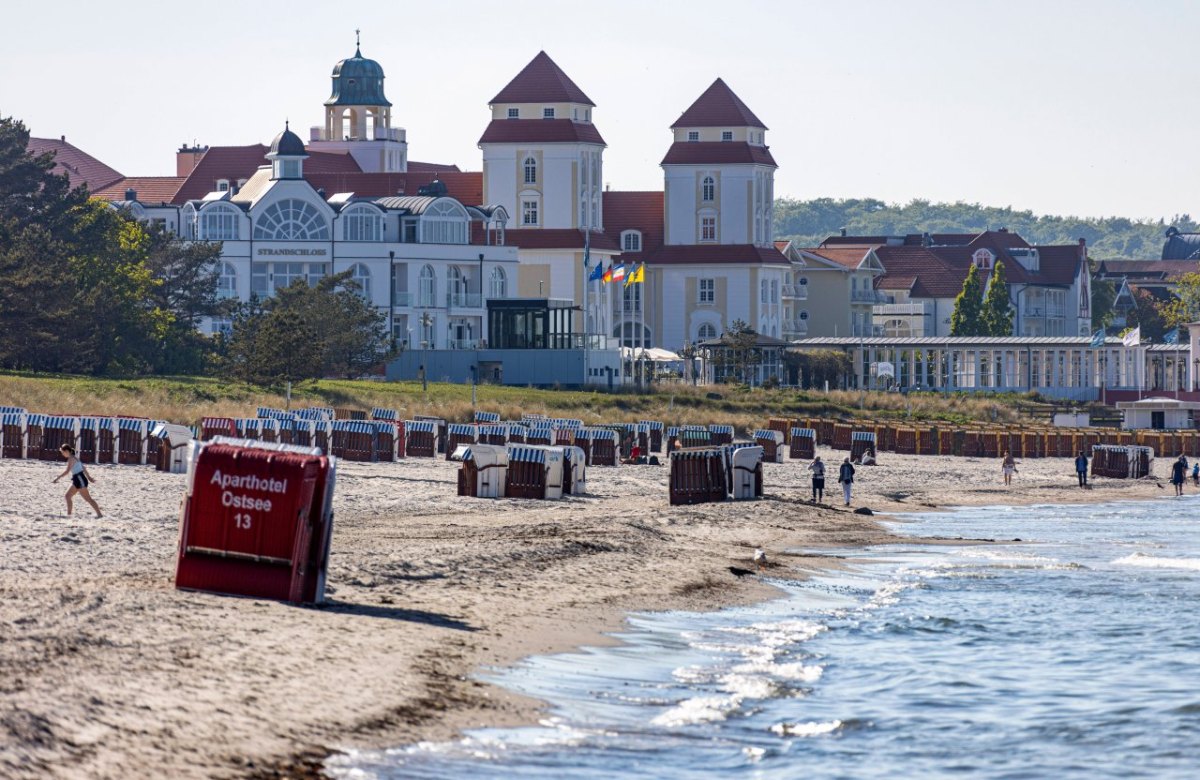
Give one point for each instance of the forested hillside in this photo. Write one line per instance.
(810, 221)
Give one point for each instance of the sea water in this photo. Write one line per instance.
(1074, 652)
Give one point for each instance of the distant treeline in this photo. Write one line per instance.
(811, 221)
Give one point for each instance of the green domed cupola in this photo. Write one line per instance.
(357, 81)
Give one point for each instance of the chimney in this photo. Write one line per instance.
(926, 239)
(131, 194)
(1002, 229)
(1083, 249)
(843, 232)
(62, 138)
(187, 158)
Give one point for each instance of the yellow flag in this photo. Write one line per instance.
(637, 276)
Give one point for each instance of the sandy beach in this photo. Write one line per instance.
(107, 671)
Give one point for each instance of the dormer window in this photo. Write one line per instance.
(631, 241)
(222, 185)
(547, 113)
(726, 135)
(693, 135)
(587, 114)
(514, 113)
(982, 259)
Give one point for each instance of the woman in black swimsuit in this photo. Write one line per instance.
(80, 479)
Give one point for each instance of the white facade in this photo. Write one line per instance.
(719, 204)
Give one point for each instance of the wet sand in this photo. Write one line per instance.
(107, 671)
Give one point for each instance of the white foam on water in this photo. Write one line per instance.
(749, 686)
(786, 671)
(810, 729)
(702, 709)
(754, 754)
(1156, 562)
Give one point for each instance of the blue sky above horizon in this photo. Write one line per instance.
(1057, 106)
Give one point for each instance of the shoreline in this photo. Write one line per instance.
(112, 672)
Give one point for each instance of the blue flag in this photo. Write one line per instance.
(597, 273)
(1098, 339)
(1172, 337)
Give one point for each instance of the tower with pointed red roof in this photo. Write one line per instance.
(543, 162)
(542, 156)
(719, 174)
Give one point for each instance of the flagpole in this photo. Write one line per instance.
(587, 257)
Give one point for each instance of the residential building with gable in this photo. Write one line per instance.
(1048, 286)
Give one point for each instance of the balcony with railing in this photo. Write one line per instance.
(795, 292)
(402, 298)
(463, 300)
(868, 296)
(462, 344)
(794, 329)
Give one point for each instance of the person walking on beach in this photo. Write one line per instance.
(846, 478)
(1196, 473)
(1081, 468)
(1179, 474)
(818, 479)
(80, 479)
(1008, 468)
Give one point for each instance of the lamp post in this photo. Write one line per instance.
(426, 320)
(473, 384)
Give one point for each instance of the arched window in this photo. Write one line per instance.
(187, 220)
(362, 223)
(227, 281)
(427, 287)
(706, 332)
(633, 335)
(219, 222)
(444, 222)
(291, 219)
(530, 170)
(631, 241)
(708, 189)
(498, 287)
(362, 277)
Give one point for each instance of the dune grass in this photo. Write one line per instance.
(186, 399)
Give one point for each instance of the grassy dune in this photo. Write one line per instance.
(187, 399)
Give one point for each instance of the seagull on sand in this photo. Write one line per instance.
(760, 559)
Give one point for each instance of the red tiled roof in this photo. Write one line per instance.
(635, 211)
(240, 162)
(1148, 270)
(150, 189)
(329, 162)
(716, 254)
(542, 81)
(417, 167)
(466, 187)
(513, 131)
(718, 107)
(939, 271)
(557, 238)
(847, 257)
(79, 166)
(717, 153)
(220, 162)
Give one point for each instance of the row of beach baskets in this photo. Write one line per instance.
(802, 435)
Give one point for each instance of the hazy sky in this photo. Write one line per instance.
(1060, 107)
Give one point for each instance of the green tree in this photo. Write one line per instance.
(809, 222)
(967, 317)
(1184, 307)
(997, 313)
(305, 332)
(1104, 294)
(741, 352)
(1148, 316)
